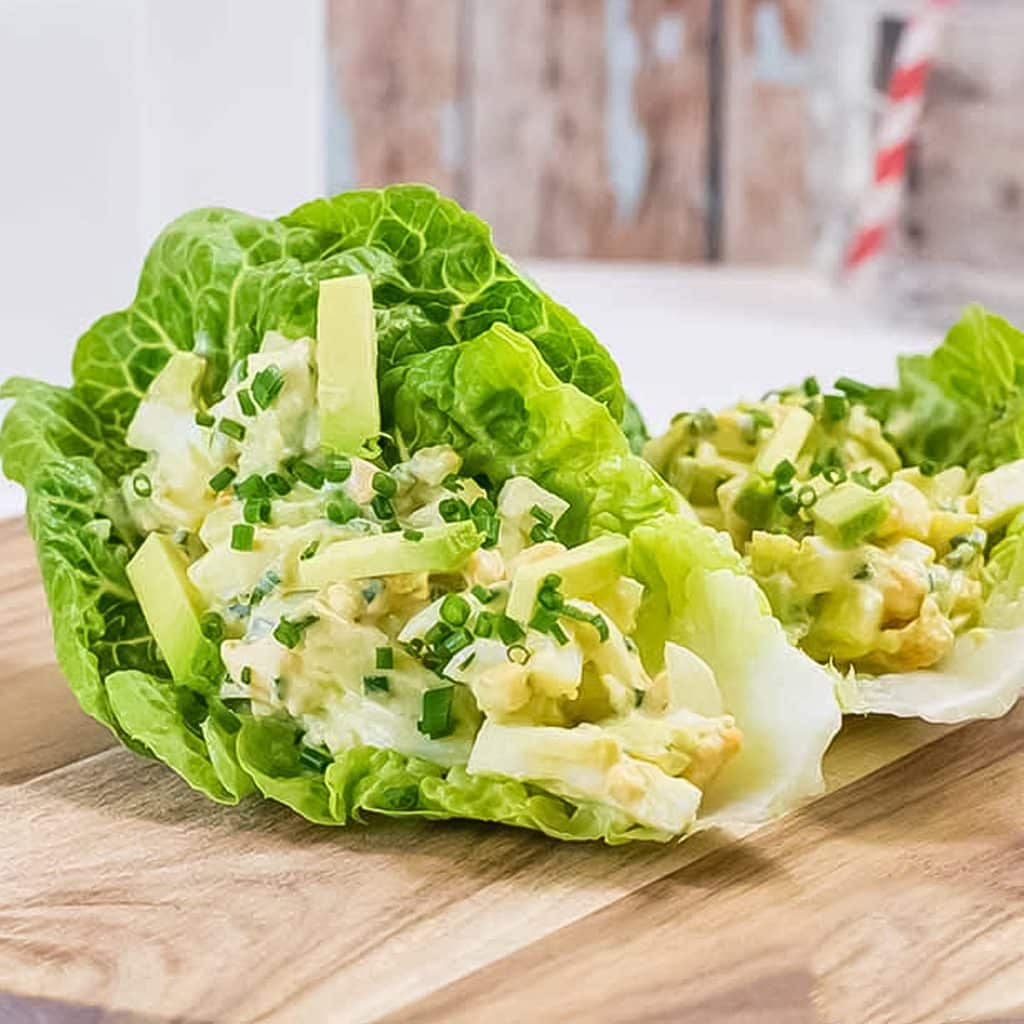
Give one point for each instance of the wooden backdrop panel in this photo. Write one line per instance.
(768, 213)
(394, 103)
(588, 125)
(966, 200)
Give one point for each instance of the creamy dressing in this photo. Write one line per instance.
(426, 663)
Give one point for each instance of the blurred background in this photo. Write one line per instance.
(685, 174)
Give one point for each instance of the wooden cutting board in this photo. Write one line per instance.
(124, 896)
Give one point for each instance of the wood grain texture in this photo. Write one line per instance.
(395, 76)
(122, 889)
(898, 899)
(42, 726)
(588, 125)
(768, 213)
(965, 203)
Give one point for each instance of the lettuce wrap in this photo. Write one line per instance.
(883, 524)
(340, 511)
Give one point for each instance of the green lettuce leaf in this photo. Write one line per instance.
(216, 280)
(963, 404)
(634, 427)
(369, 780)
(501, 406)
(783, 703)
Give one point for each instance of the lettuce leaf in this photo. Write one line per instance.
(963, 404)
(783, 702)
(983, 677)
(507, 413)
(370, 780)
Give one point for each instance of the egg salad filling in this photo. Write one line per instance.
(400, 603)
(867, 563)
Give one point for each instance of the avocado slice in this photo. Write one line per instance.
(346, 351)
(171, 605)
(1000, 495)
(786, 440)
(849, 514)
(438, 549)
(583, 570)
(755, 501)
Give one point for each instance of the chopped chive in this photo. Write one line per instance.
(455, 610)
(561, 637)
(256, 510)
(232, 428)
(600, 624)
(834, 474)
(385, 657)
(789, 504)
(253, 486)
(518, 653)
(865, 572)
(852, 388)
(212, 627)
(542, 515)
(806, 496)
(309, 550)
(412, 535)
(454, 642)
(453, 510)
(315, 759)
(468, 660)
(811, 387)
(204, 419)
(221, 480)
(509, 630)
(288, 632)
(338, 468)
(491, 533)
(483, 507)
(342, 509)
(382, 507)
(928, 468)
(376, 684)
(266, 385)
(784, 472)
(485, 624)
(142, 485)
(436, 713)
(246, 676)
(308, 474)
(384, 484)
(242, 535)
(550, 599)
(483, 594)
(835, 407)
(278, 483)
(452, 483)
(863, 478)
(539, 533)
(245, 402)
(437, 632)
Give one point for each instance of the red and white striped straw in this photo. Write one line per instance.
(901, 116)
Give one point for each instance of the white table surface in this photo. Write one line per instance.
(691, 336)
